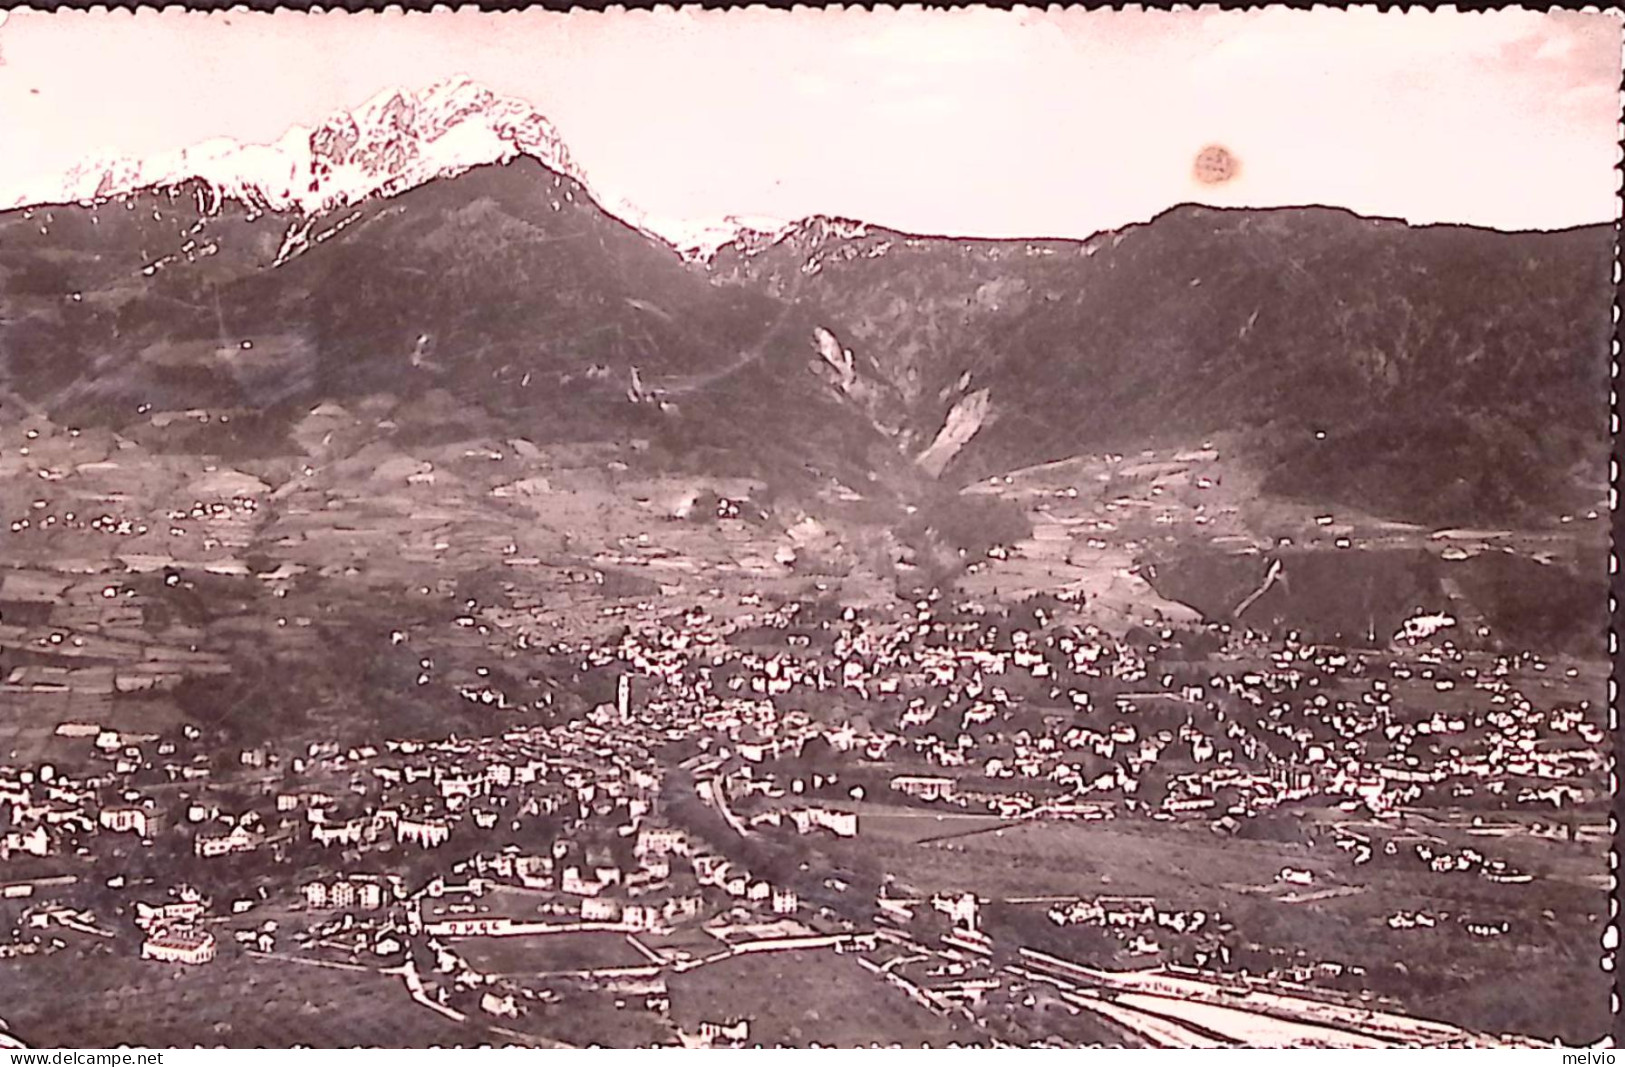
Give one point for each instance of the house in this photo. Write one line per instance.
(426, 833)
(924, 787)
(238, 840)
(179, 946)
(707, 866)
(503, 1006)
(344, 893)
(1129, 911)
(660, 841)
(839, 823)
(679, 908)
(128, 820)
(641, 916)
(962, 910)
(345, 833)
(534, 871)
(785, 902)
(155, 918)
(573, 883)
(34, 842)
(737, 1032)
(600, 909)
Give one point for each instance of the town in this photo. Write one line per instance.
(977, 813)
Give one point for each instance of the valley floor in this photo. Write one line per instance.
(490, 743)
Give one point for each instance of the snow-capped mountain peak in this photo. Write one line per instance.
(397, 140)
(391, 143)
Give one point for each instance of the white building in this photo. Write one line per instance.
(924, 787)
(962, 910)
(571, 882)
(679, 908)
(736, 1033)
(345, 833)
(34, 842)
(641, 916)
(427, 833)
(660, 841)
(599, 909)
(503, 1006)
(179, 946)
(125, 820)
(238, 840)
(839, 823)
(369, 895)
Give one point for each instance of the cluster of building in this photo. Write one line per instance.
(1128, 913)
(796, 715)
(173, 933)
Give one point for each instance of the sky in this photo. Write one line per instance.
(974, 122)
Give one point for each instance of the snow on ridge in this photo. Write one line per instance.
(699, 240)
(807, 233)
(394, 141)
(391, 143)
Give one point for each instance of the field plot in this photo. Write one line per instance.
(1441, 971)
(28, 723)
(585, 1018)
(544, 953)
(235, 1001)
(735, 933)
(687, 942)
(504, 902)
(799, 997)
(906, 825)
(1050, 857)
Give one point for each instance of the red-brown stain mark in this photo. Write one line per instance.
(1215, 165)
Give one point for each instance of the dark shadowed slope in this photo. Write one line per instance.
(506, 285)
(1454, 373)
(1442, 373)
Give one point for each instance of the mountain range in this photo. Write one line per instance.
(445, 242)
(389, 144)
